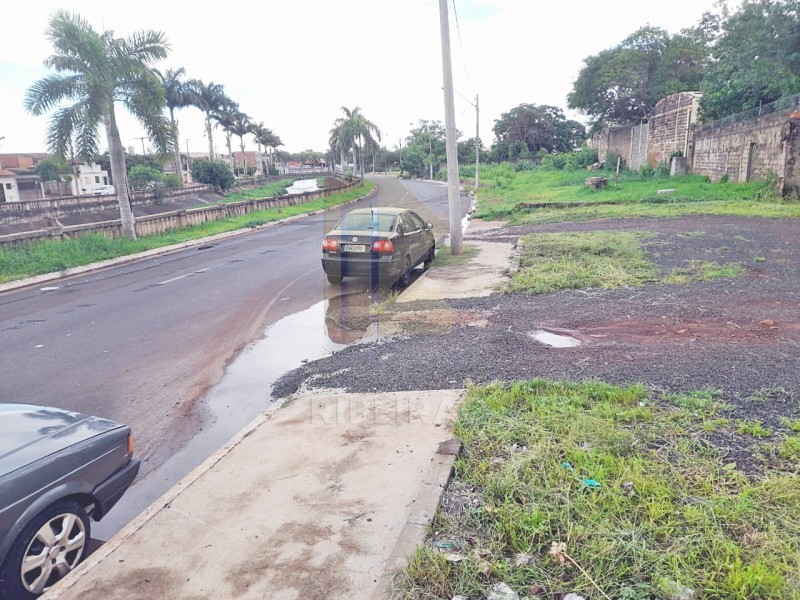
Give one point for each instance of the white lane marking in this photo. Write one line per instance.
(39, 346)
(49, 289)
(182, 276)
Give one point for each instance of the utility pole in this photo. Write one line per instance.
(188, 171)
(142, 140)
(453, 196)
(477, 145)
(430, 152)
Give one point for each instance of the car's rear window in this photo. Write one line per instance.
(366, 221)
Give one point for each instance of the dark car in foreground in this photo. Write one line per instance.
(382, 244)
(58, 470)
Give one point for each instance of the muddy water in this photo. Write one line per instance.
(243, 393)
(556, 340)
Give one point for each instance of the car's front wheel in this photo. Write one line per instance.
(335, 278)
(48, 548)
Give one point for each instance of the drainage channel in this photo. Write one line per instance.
(242, 393)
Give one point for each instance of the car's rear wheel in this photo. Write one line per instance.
(429, 258)
(405, 278)
(48, 548)
(335, 278)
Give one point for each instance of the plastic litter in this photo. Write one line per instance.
(587, 483)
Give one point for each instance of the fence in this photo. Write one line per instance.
(162, 222)
(754, 113)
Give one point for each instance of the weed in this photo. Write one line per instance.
(753, 428)
(794, 425)
(699, 270)
(446, 258)
(667, 514)
(790, 448)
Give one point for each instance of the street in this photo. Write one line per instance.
(144, 343)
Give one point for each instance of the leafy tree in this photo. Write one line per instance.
(54, 168)
(527, 128)
(213, 172)
(623, 84)
(154, 161)
(756, 58)
(425, 149)
(225, 116)
(177, 94)
(94, 70)
(141, 177)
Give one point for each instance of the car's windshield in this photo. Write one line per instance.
(366, 221)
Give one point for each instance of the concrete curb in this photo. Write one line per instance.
(130, 258)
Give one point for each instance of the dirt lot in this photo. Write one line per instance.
(740, 336)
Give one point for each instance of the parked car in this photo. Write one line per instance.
(58, 470)
(383, 244)
(103, 190)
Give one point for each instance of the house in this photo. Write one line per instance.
(250, 158)
(8, 186)
(19, 170)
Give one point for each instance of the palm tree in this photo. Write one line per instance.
(225, 118)
(178, 94)
(209, 98)
(241, 126)
(356, 129)
(93, 71)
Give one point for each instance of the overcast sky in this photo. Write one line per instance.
(293, 65)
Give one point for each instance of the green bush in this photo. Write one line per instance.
(216, 173)
(647, 170)
(662, 169)
(611, 161)
(172, 181)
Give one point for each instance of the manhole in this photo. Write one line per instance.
(557, 340)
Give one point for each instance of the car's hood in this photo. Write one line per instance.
(29, 433)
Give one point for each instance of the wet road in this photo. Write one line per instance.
(143, 343)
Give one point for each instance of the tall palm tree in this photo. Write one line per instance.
(259, 132)
(178, 94)
(355, 128)
(241, 126)
(93, 71)
(273, 141)
(225, 116)
(209, 98)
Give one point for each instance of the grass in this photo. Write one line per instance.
(635, 196)
(669, 512)
(599, 259)
(270, 190)
(26, 260)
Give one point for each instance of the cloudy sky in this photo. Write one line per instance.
(292, 65)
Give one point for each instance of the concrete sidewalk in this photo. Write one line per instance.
(323, 497)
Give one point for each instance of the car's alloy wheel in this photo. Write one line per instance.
(405, 278)
(48, 548)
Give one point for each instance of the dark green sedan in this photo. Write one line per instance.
(382, 244)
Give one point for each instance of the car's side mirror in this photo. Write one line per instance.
(429, 225)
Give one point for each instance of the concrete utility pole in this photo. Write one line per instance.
(188, 170)
(142, 140)
(477, 145)
(453, 195)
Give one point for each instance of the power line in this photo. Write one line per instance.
(461, 46)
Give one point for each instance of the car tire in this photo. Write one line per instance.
(335, 279)
(429, 259)
(60, 535)
(405, 277)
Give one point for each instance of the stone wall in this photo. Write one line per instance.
(669, 126)
(746, 150)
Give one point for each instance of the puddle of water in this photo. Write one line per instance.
(242, 393)
(554, 339)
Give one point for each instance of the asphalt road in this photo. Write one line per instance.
(143, 343)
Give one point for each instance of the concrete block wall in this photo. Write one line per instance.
(746, 150)
(669, 126)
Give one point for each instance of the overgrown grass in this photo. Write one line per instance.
(25, 260)
(634, 196)
(270, 190)
(599, 259)
(669, 511)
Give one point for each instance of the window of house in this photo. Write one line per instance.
(8, 186)
(97, 179)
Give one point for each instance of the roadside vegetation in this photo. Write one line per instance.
(612, 492)
(26, 260)
(600, 259)
(445, 257)
(508, 190)
(269, 190)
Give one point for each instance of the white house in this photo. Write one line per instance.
(90, 177)
(8, 186)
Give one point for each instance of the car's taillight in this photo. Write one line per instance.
(130, 444)
(383, 246)
(330, 244)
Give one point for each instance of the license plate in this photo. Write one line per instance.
(355, 248)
